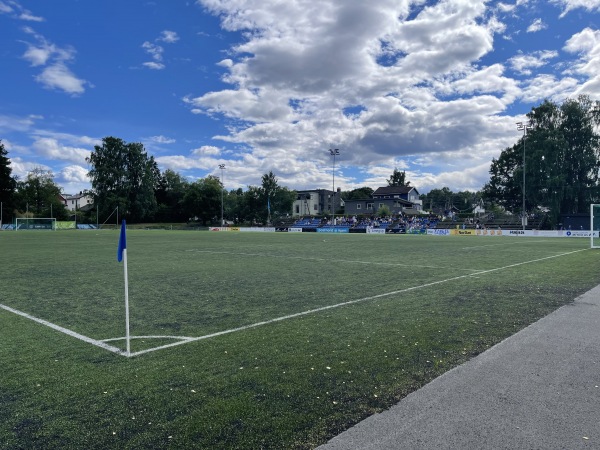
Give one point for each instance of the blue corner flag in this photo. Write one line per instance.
(122, 242)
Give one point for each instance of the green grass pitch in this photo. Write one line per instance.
(338, 328)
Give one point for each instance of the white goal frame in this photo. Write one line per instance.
(30, 223)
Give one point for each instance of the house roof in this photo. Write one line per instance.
(391, 190)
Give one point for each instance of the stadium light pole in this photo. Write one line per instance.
(523, 127)
(333, 152)
(222, 167)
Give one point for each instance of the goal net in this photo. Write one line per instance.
(38, 223)
(595, 225)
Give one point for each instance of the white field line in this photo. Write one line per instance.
(498, 245)
(350, 302)
(81, 337)
(185, 340)
(351, 261)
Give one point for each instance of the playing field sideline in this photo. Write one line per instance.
(310, 333)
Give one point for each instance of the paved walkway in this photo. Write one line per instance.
(538, 389)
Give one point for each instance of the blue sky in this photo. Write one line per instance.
(430, 87)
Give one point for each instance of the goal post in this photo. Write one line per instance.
(595, 225)
(35, 223)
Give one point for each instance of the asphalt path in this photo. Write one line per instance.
(538, 389)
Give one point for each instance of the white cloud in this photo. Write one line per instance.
(16, 11)
(5, 9)
(536, 25)
(58, 76)
(570, 5)
(153, 50)
(153, 65)
(30, 17)
(524, 63)
(207, 150)
(74, 174)
(162, 139)
(169, 37)
(11, 123)
(156, 51)
(55, 74)
(53, 149)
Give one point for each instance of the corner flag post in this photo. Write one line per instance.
(122, 255)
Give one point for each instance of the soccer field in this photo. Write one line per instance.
(252, 340)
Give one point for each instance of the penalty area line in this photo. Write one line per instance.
(187, 339)
(350, 302)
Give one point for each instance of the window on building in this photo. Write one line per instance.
(369, 205)
(358, 206)
(297, 209)
(315, 207)
(381, 204)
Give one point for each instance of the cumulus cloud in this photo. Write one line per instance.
(586, 45)
(524, 63)
(570, 5)
(304, 64)
(52, 148)
(536, 25)
(207, 150)
(58, 76)
(53, 59)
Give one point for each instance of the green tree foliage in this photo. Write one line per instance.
(279, 198)
(202, 199)
(8, 184)
(561, 161)
(124, 176)
(358, 194)
(169, 196)
(398, 179)
(39, 196)
(443, 200)
(384, 211)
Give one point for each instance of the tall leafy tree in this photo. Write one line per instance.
(8, 184)
(562, 161)
(277, 200)
(39, 195)
(398, 179)
(169, 196)
(124, 176)
(202, 199)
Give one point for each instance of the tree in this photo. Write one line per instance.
(124, 176)
(562, 162)
(8, 183)
(169, 197)
(358, 194)
(398, 179)
(202, 199)
(277, 200)
(39, 195)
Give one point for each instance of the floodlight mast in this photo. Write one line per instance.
(333, 152)
(222, 167)
(524, 127)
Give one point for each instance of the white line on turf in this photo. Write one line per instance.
(350, 302)
(497, 245)
(81, 337)
(185, 340)
(304, 258)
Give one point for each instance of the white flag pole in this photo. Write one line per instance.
(126, 302)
